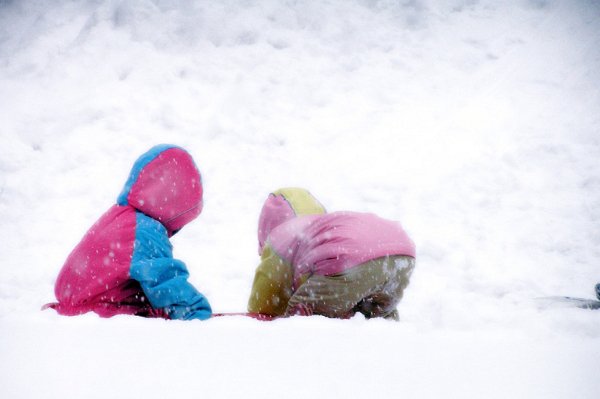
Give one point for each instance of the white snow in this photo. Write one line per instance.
(476, 123)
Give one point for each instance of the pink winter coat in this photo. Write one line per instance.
(124, 264)
(330, 243)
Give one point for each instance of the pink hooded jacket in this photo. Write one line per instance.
(328, 244)
(295, 233)
(124, 264)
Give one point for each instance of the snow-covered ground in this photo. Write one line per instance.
(474, 123)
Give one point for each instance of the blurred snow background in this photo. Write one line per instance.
(474, 123)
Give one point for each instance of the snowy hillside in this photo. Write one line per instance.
(475, 123)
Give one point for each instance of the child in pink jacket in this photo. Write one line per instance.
(124, 264)
(330, 264)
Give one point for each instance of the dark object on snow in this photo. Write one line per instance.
(553, 302)
(598, 291)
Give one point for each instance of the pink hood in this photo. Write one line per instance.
(166, 185)
(283, 205)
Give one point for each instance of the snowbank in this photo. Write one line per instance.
(474, 123)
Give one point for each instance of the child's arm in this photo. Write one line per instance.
(272, 287)
(164, 279)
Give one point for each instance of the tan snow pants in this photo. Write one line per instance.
(373, 288)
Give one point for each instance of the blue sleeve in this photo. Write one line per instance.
(164, 279)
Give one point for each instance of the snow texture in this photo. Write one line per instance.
(475, 123)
